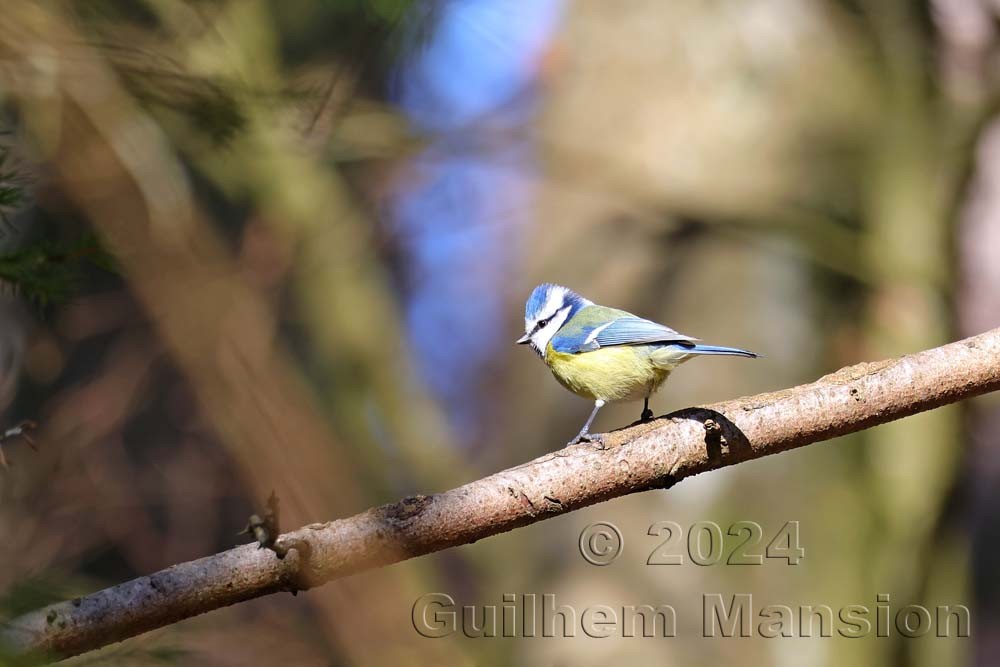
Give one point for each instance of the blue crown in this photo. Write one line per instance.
(542, 294)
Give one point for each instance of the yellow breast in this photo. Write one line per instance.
(618, 373)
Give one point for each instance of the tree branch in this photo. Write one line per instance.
(647, 456)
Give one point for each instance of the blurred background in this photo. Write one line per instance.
(250, 245)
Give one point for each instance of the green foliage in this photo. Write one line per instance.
(209, 106)
(11, 192)
(45, 272)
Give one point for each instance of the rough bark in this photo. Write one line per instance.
(647, 456)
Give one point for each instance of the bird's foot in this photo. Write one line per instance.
(646, 416)
(596, 439)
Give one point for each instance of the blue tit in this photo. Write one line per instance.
(605, 354)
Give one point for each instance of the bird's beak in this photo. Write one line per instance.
(523, 339)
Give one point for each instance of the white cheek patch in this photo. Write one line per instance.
(542, 337)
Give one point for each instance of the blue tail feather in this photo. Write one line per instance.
(716, 349)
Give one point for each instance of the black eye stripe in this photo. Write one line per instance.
(541, 324)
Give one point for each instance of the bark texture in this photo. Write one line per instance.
(647, 456)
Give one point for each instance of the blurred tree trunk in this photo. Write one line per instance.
(968, 36)
(910, 466)
(978, 309)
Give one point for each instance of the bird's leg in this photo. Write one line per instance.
(584, 435)
(647, 414)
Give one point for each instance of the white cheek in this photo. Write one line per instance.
(544, 335)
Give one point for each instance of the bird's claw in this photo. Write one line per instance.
(647, 415)
(595, 439)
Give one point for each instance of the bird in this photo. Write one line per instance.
(605, 354)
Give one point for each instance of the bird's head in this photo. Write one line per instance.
(548, 308)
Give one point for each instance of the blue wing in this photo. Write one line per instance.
(626, 330)
(637, 331)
